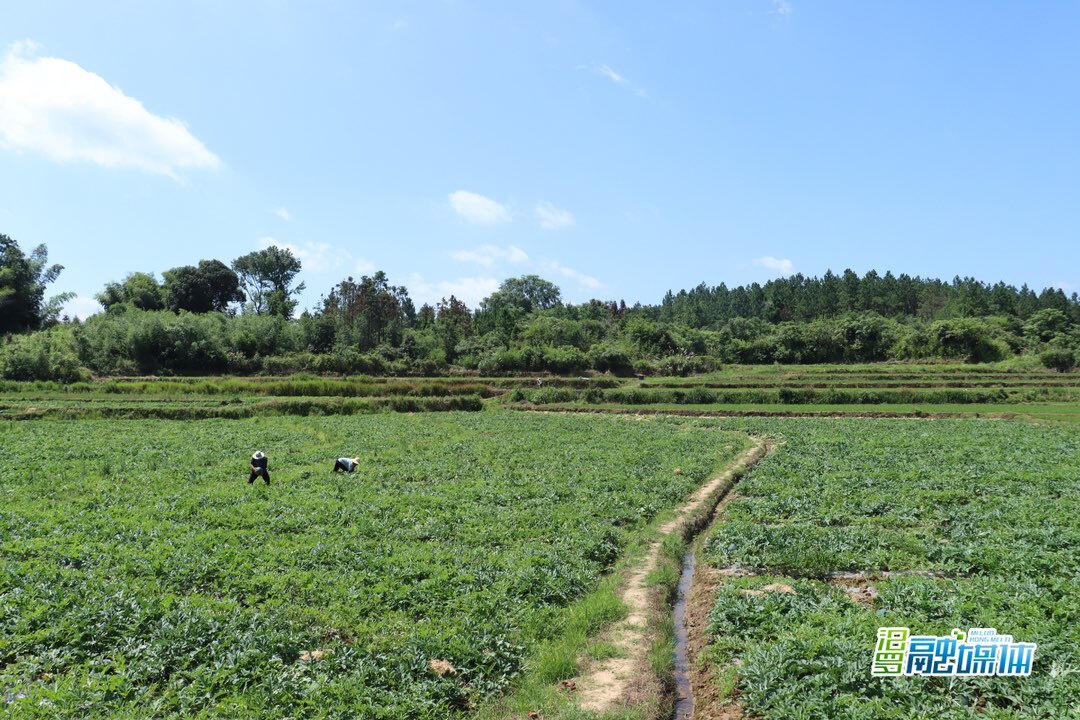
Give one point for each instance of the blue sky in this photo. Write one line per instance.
(618, 149)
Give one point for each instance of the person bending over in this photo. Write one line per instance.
(346, 464)
(258, 467)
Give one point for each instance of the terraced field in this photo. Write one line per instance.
(884, 390)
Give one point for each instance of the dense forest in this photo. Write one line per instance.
(214, 317)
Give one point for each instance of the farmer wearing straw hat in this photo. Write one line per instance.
(258, 467)
(346, 464)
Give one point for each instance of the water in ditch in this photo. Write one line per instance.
(684, 694)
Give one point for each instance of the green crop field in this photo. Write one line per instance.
(140, 576)
(467, 558)
(952, 524)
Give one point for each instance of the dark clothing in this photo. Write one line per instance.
(345, 464)
(258, 469)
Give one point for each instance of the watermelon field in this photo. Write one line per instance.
(473, 565)
(931, 525)
(140, 576)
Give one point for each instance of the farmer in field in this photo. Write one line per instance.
(346, 464)
(258, 467)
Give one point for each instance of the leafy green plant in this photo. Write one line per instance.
(952, 523)
(141, 576)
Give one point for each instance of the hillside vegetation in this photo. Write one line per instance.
(209, 318)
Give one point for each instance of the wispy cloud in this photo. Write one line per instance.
(478, 209)
(56, 108)
(551, 217)
(320, 257)
(583, 280)
(780, 265)
(781, 7)
(470, 290)
(282, 213)
(611, 75)
(488, 255)
(614, 76)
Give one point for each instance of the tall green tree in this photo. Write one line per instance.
(504, 310)
(210, 286)
(453, 324)
(139, 290)
(22, 288)
(267, 278)
(369, 312)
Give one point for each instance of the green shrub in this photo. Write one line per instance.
(47, 355)
(796, 396)
(682, 365)
(609, 358)
(969, 339)
(1060, 359)
(564, 359)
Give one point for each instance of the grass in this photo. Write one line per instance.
(601, 650)
(884, 389)
(1060, 413)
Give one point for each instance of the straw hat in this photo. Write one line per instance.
(258, 455)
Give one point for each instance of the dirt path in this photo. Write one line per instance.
(616, 682)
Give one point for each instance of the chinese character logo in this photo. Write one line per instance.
(979, 651)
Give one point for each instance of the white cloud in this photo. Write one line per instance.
(81, 307)
(611, 75)
(583, 280)
(57, 108)
(319, 257)
(282, 213)
(615, 77)
(477, 208)
(488, 255)
(780, 265)
(781, 7)
(470, 290)
(551, 217)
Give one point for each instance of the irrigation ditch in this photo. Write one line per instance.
(631, 679)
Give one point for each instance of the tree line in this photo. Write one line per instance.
(214, 317)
